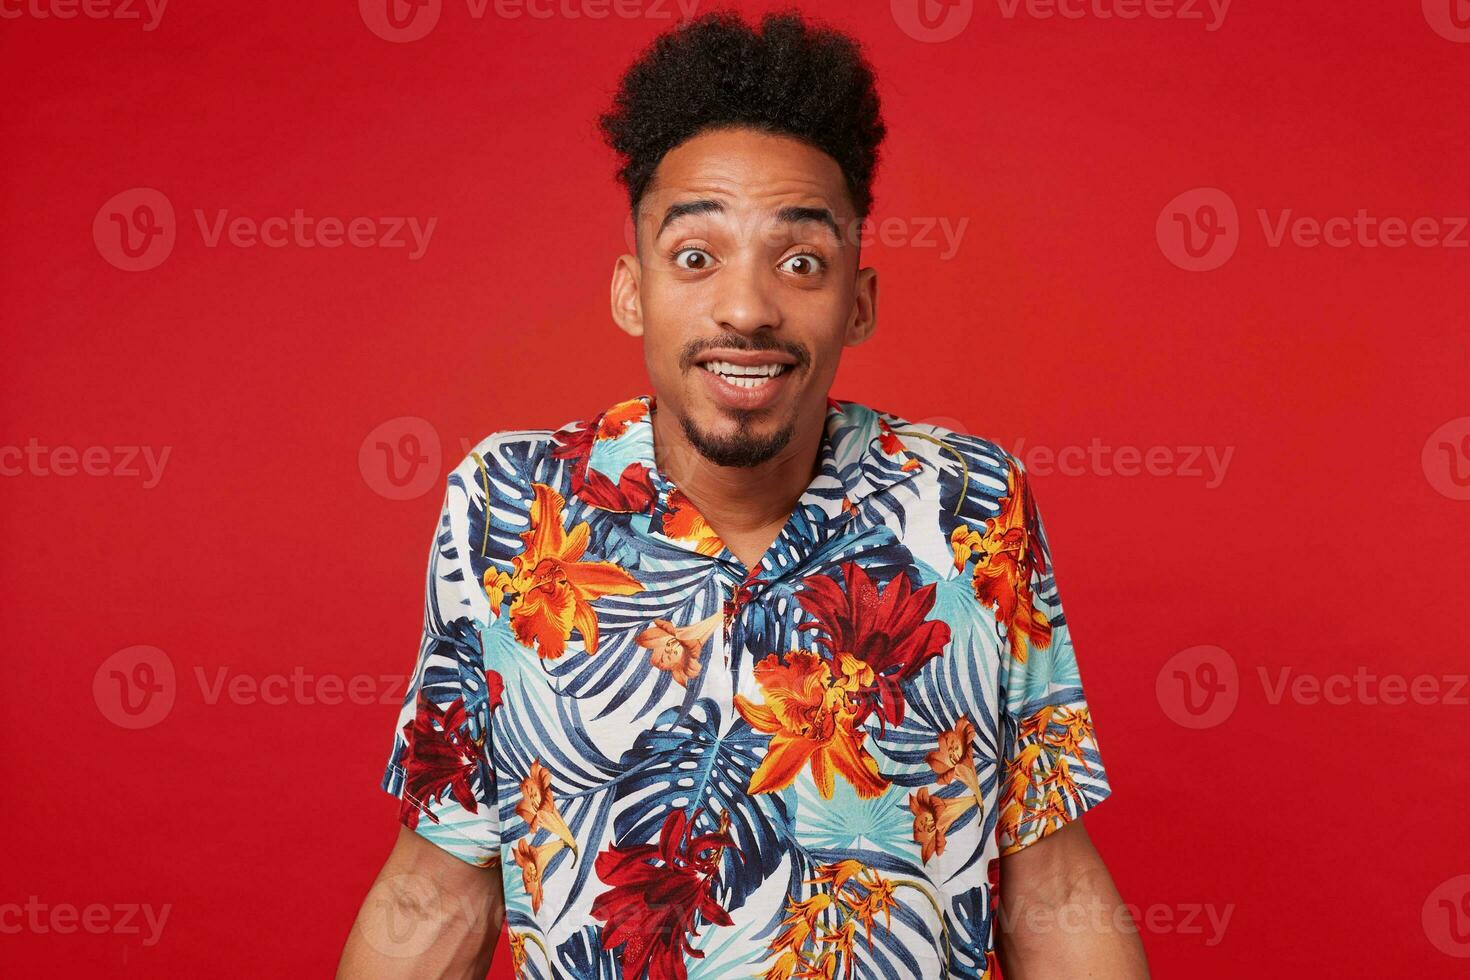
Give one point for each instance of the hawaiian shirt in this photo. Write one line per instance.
(684, 767)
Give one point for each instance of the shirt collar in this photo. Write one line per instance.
(613, 467)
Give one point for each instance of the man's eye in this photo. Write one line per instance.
(693, 259)
(802, 265)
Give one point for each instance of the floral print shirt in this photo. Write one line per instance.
(686, 768)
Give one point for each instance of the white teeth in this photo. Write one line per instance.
(744, 375)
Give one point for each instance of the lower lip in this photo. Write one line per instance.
(734, 397)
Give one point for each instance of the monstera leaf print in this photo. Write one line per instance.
(684, 763)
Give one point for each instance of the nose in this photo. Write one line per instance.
(744, 299)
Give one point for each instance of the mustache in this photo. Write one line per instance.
(735, 341)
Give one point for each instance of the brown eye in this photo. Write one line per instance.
(802, 265)
(693, 259)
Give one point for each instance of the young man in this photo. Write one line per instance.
(734, 680)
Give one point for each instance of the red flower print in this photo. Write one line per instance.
(886, 631)
(656, 891)
(439, 758)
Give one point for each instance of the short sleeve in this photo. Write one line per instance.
(441, 763)
(1053, 771)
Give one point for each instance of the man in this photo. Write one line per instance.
(734, 680)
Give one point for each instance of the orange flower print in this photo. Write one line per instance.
(497, 586)
(1039, 783)
(784, 967)
(676, 648)
(933, 816)
(955, 757)
(1076, 732)
(615, 420)
(838, 873)
(554, 588)
(1005, 559)
(878, 899)
(683, 523)
(538, 808)
(517, 950)
(533, 861)
(812, 944)
(810, 718)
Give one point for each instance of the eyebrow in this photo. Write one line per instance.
(792, 214)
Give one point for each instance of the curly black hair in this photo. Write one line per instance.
(789, 77)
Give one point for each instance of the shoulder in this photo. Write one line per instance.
(982, 467)
(514, 459)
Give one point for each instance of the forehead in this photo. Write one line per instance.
(747, 168)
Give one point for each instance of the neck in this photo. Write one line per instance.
(738, 499)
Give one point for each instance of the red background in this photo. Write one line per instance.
(263, 548)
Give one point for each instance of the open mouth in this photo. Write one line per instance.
(745, 375)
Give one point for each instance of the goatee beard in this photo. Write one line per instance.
(740, 448)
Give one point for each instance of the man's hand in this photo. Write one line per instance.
(429, 914)
(1061, 916)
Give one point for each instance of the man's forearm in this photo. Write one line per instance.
(1061, 915)
(412, 926)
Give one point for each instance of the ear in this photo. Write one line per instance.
(627, 308)
(864, 319)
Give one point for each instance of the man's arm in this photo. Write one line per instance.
(1061, 915)
(428, 914)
